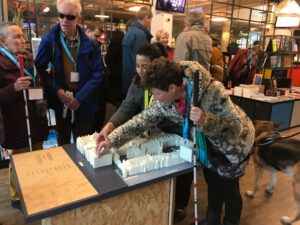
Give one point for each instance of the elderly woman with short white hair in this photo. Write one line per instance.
(162, 36)
(12, 103)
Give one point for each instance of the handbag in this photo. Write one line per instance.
(202, 154)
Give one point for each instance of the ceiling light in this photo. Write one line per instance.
(101, 16)
(219, 19)
(289, 8)
(284, 21)
(134, 8)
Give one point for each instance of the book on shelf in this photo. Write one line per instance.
(275, 61)
(295, 47)
(258, 78)
(287, 60)
(289, 44)
(274, 45)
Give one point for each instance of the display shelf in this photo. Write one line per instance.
(280, 53)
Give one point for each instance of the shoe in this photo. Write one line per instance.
(212, 218)
(180, 214)
(16, 204)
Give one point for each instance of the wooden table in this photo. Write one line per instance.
(60, 187)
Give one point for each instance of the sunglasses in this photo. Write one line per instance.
(69, 17)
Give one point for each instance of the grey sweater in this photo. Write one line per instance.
(194, 44)
(134, 104)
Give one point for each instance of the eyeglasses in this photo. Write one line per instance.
(69, 17)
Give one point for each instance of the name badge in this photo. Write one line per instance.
(35, 94)
(74, 77)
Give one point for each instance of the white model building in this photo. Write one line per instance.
(87, 146)
(142, 154)
(145, 154)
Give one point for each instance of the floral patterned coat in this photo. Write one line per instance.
(229, 131)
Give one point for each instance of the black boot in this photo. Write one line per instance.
(212, 218)
(16, 204)
(180, 214)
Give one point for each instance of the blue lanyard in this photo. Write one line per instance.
(15, 61)
(62, 39)
(185, 130)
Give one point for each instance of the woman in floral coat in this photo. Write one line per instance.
(228, 130)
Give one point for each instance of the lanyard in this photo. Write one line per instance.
(146, 99)
(185, 129)
(62, 39)
(15, 61)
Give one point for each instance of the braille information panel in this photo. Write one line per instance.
(49, 179)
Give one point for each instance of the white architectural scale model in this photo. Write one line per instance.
(140, 154)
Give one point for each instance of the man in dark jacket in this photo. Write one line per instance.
(76, 73)
(113, 60)
(136, 35)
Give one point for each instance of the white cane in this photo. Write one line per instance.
(195, 102)
(20, 58)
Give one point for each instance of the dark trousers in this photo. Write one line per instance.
(100, 114)
(183, 189)
(81, 126)
(224, 191)
(100, 117)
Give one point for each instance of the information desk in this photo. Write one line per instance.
(60, 187)
(282, 109)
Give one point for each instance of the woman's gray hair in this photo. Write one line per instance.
(196, 18)
(159, 33)
(73, 3)
(3, 28)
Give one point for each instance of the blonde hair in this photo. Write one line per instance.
(159, 33)
(72, 3)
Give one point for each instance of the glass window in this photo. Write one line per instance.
(239, 33)
(234, 20)
(258, 15)
(241, 13)
(221, 10)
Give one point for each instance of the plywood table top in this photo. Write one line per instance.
(49, 179)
